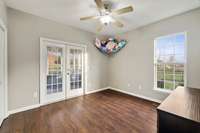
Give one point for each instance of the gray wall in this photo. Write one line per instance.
(24, 31)
(3, 14)
(134, 64)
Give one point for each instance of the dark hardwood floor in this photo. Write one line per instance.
(103, 112)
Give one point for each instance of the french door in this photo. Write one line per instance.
(61, 71)
(75, 71)
(52, 71)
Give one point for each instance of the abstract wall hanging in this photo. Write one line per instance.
(110, 46)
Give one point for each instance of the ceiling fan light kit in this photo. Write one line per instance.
(106, 14)
(107, 19)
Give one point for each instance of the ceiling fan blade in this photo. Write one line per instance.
(123, 10)
(88, 17)
(99, 4)
(118, 24)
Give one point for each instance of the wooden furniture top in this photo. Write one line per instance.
(183, 102)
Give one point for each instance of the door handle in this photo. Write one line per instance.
(68, 73)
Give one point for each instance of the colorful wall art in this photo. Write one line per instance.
(110, 46)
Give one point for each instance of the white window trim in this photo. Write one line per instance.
(155, 88)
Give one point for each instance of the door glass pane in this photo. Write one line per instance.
(54, 70)
(80, 84)
(75, 57)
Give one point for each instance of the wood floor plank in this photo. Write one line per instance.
(103, 112)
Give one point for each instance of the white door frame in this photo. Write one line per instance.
(42, 39)
(43, 58)
(5, 82)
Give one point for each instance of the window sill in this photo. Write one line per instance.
(163, 90)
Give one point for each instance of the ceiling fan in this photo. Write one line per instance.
(106, 14)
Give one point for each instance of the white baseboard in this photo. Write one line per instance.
(98, 90)
(23, 109)
(136, 95)
(38, 105)
(1, 120)
(88, 92)
(51, 102)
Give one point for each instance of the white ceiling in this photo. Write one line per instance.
(69, 12)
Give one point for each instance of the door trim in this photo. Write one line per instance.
(42, 39)
(3, 26)
(43, 46)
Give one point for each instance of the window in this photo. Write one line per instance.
(169, 62)
(54, 70)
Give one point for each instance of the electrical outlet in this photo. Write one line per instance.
(35, 94)
(140, 87)
(129, 85)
